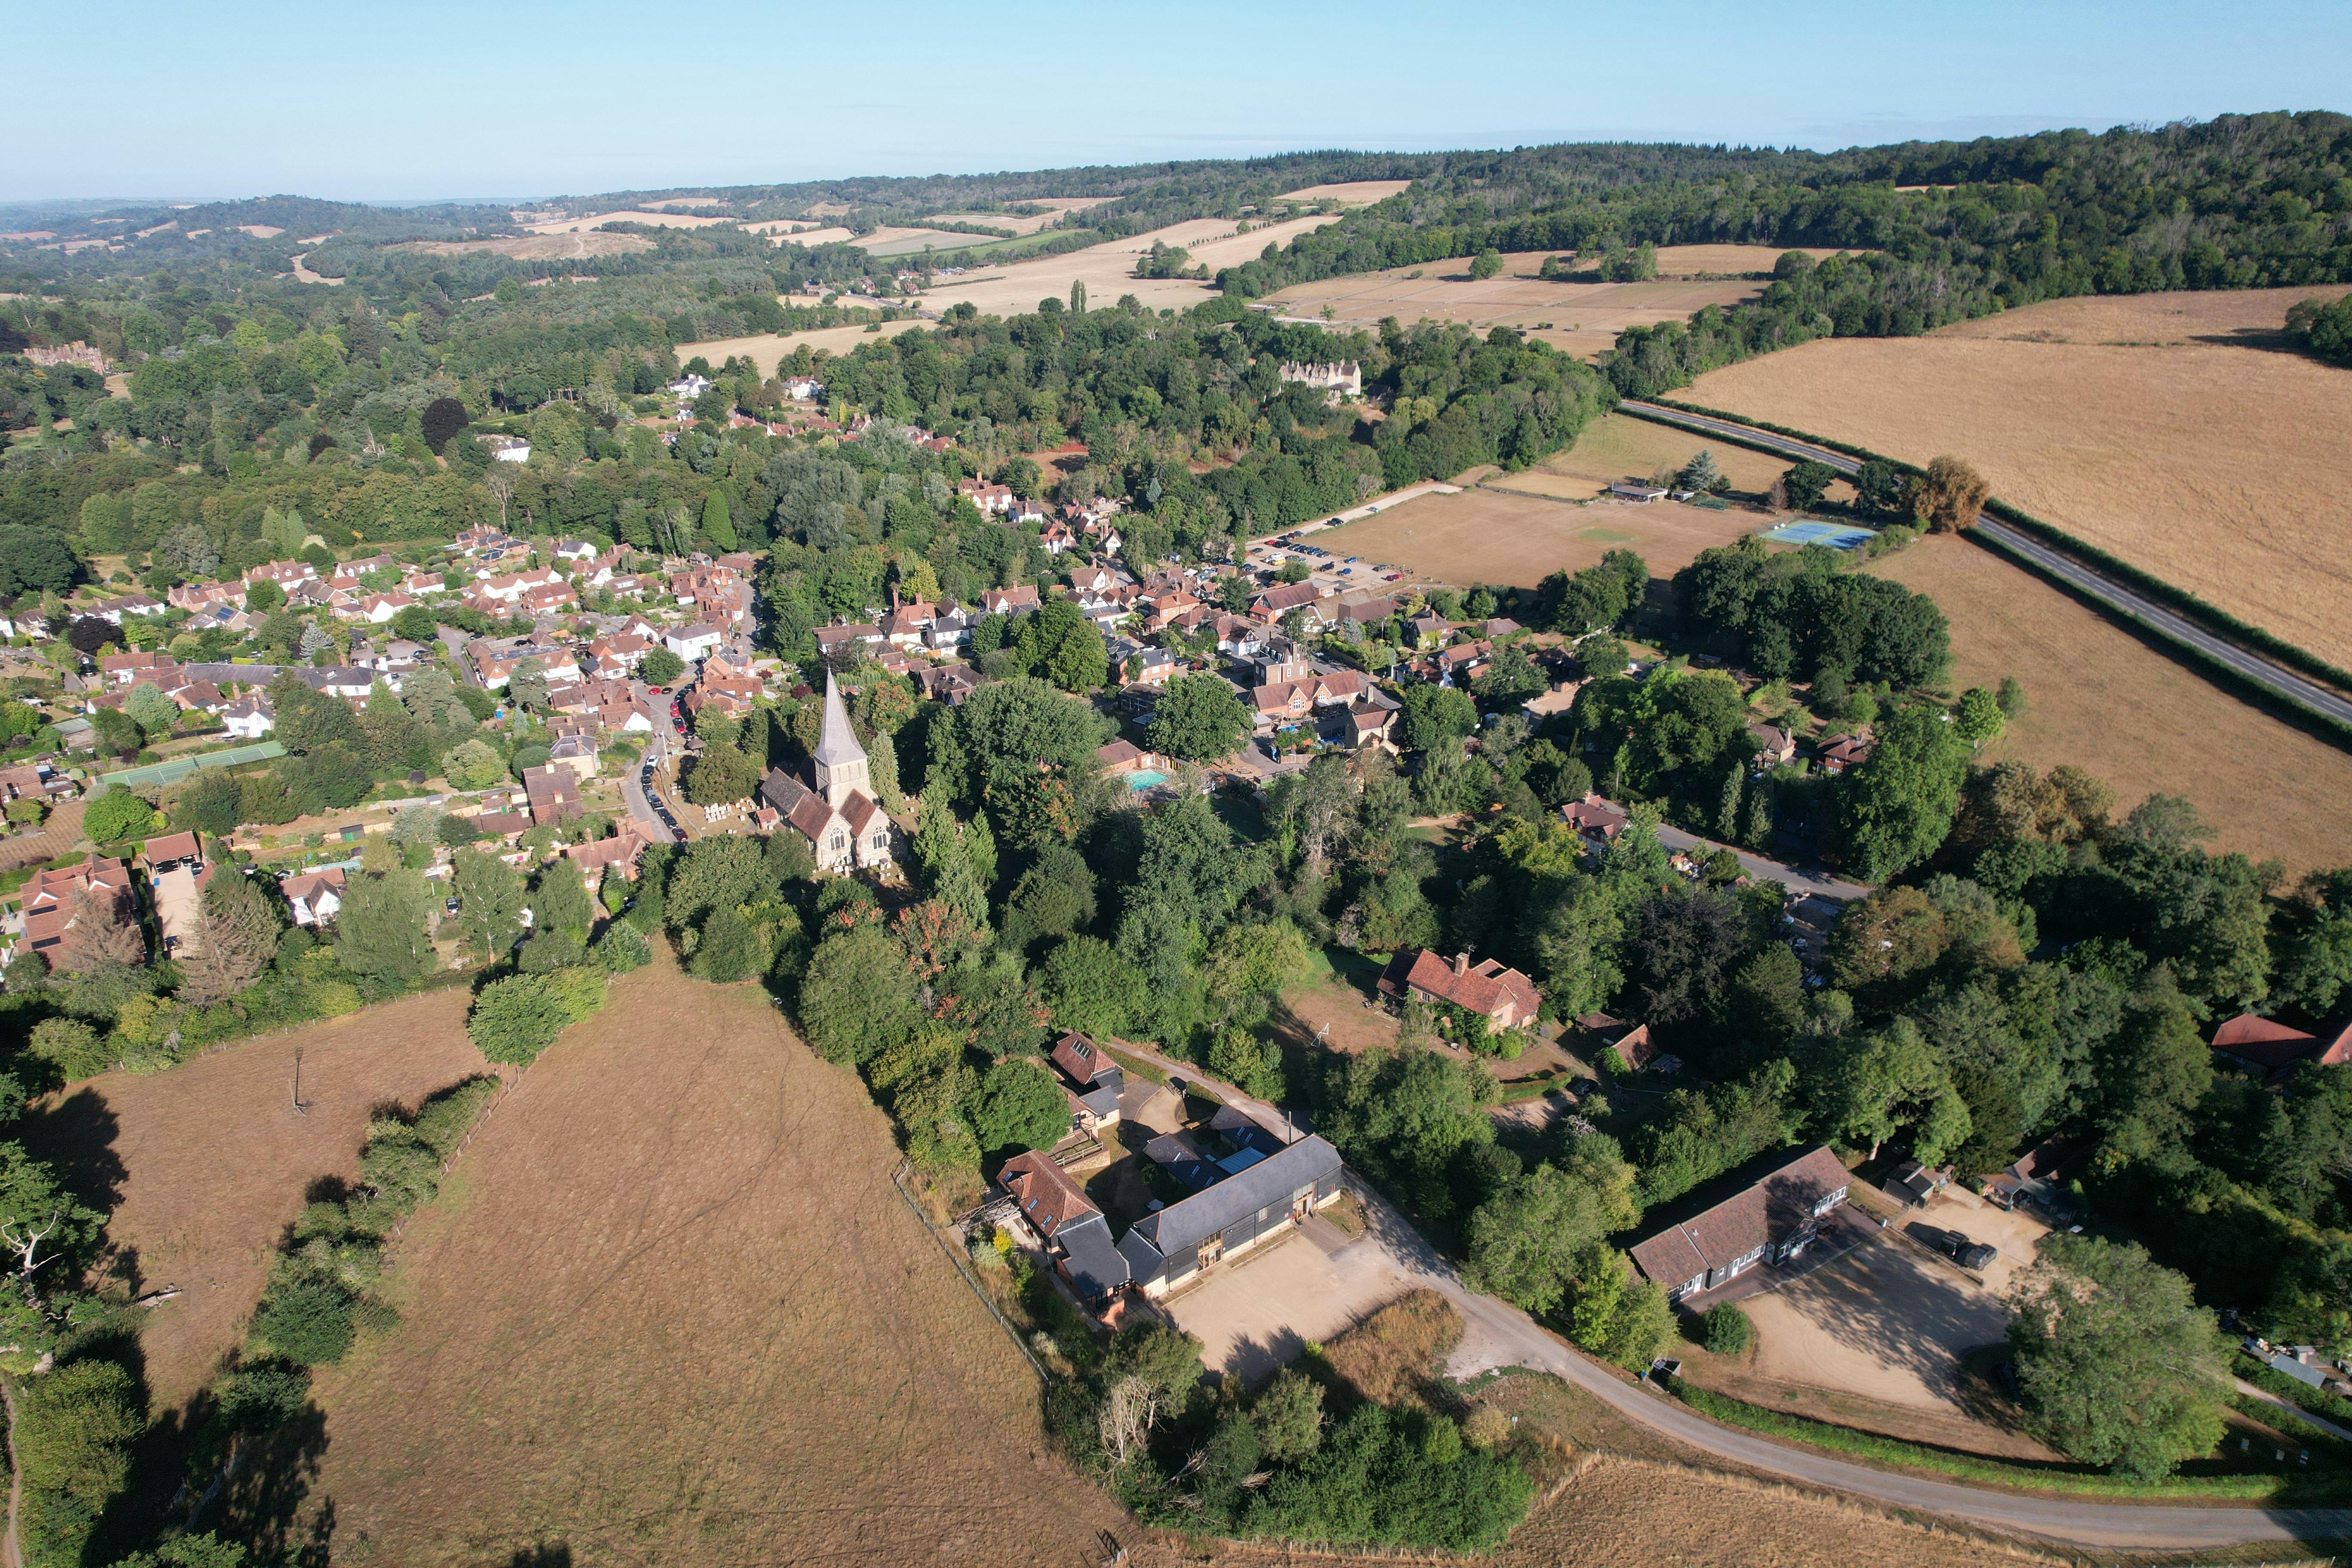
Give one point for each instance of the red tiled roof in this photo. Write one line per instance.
(1481, 988)
(1044, 1192)
(1758, 1215)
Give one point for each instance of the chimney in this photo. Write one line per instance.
(1460, 963)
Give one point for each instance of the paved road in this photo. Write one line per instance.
(2267, 1397)
(1815, 882)
(2166, 623)
(1498, 1334)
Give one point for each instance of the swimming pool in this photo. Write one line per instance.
(1144, 779)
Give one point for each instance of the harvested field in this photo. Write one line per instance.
(1027, 224)
(1347, 193)
(1495, 536)
(2100, 697)
(1615, 446)
(1107, 269)
(764, 352)
(1585, 317)
(210, 1162)
(809, 237)
(671, 1310)
(546, 246)
(915, 241)
(2177, 431)
(633, 215)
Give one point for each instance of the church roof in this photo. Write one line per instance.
(838, 744)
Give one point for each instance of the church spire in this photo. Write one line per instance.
(841, 769)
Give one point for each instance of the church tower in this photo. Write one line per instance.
(840, 760)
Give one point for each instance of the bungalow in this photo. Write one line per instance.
(1639, 493)
(1168, 1247)
(1091, 1079)
(2269, 1051)
(1773, 1219)
(314, 896)
(1074, 1231)
(1497, 993)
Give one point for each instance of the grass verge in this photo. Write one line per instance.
(1871, 1447)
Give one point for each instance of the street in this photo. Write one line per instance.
(1816, 882)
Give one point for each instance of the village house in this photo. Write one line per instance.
(1631, 1042)
(1017, 601)
(1839, 753)
(54, 900)
(1074, 1231)
(313, 897)
(1494, 991)
(1342, 378)
(127, 669)
(1091, 1081)
(250, 717)
(1597, 821)
(1774, 746)
(2269, 1051)
(553, 790)
(1772, 1220)
(691, 643)
(844, 825)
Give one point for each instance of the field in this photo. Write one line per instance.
(2177, 431)
(1584, 318)
(1105, 269)
(672, 1312)
(594, 220)
(536, 246)
(765, 351)
(210, 1162)
(774, 229)
(2099, 697)
(1347, 193)
(1519, 529)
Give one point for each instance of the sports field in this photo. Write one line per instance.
(1582, 318)
(672, 1312)
(2100, 698)
(210, 1163)
(2179, 431)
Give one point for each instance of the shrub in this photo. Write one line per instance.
(1728, 1331)
(71, 1047)
(307, 1321)
(516, 1018)
(622, 948)
(116, 815)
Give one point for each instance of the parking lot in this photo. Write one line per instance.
(1892, 1321)
(1257, 1313)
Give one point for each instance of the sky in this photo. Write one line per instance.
(525, 98)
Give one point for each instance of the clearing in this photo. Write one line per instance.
(210, 1163)
(1582, 318)
(671, 1310)
(1107, 269)
(633, 215)
(537, 246)
(2102, 697)
(1495, 536)
(2179, 431)
(1347, 193)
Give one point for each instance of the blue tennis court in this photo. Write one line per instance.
(1836, 535)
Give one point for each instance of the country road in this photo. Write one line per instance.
(2168, 624)
(1498, 1334)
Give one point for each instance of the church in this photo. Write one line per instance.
(845, 826)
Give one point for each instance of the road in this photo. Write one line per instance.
(1498, 1334)
(1816, 883)
(646, 804)
(2166, 623)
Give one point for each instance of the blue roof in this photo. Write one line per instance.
(1239, 1159)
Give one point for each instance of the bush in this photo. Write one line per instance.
(621, 948)
(116, 815)
(660, 667)
(71, 1047)
(74, 1430)
(307, 1321)
(516, 1018)
(1727, 1330)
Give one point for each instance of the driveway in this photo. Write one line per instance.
(1256, 1313)
(1818, 881)
(1889, 1322)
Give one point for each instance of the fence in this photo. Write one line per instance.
(178, 768)
(963, 1266)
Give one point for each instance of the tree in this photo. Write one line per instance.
(442, 418)
(1806, 483)
(516, 1018)
(75, 1430)
(2115, 1362)
(1199, 719)
(235, 937)
(1530, 1242)
(1435, 715)
(1485, 265)
(489, 901)
(116, 815)
(473, 766)
(1702, 473)
(97, 937)
(720, 774)
(1980, 717)
(715, 873)
(1729, 1330)
(381, 926)
(857, 999)
(1018, 1105)
(1898, 805)
(659, 667)
(1951, 496)
(152, 709)
(1089, 986)
(717, 525)
(559, 900)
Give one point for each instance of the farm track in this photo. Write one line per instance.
(2170, 625)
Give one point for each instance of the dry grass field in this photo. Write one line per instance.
(1494, 536)
(776, 230)
(1029, 223)
(2099, 697)
(2175, 430)
(210, 1162)
(1584, 318)
(633, 215)
(672, 1312)
(1107, 269)
(764, 352)
(1618, 447)
(550, 246)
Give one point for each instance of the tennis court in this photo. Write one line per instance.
(1836, 535)
(178, 768)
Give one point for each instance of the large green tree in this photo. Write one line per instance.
(1198, 717)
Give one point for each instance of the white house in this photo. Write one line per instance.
(250, 717)
(314, 896)
(693, 643)
(508, 448)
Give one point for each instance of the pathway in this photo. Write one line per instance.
(1819, 881)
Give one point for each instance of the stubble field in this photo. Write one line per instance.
(210, 1163)
(2177, 431)
(1585, 318)
(672, 1312)
(2099, 697)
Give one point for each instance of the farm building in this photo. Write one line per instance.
(1772, 1219)
(1165, 1248)
(1074, 1231)
(1091, 1079)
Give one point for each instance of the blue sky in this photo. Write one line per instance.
(434, 99)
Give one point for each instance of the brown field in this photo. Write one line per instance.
(765, 352)
(2175, 430)
(1585, 318)
(1347, 193)
(1028, 224)
(809, 237)
(210, 1163)
(537, 246)
(1105, 269)
(672, 1312)
(635, 215)
(1494, 536)
(1614, 447)
(2099, 697)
